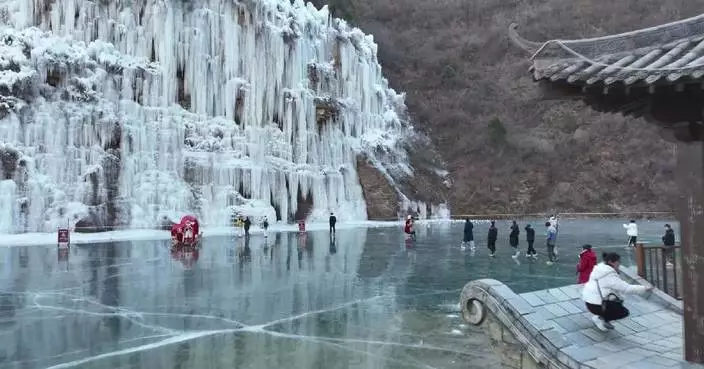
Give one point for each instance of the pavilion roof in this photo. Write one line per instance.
(672, 53)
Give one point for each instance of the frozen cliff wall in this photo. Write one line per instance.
(117, 113)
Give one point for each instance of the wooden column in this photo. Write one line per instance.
(690, 179)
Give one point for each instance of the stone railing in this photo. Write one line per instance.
(500, 312)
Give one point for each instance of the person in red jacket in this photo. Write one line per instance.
(408, 227)
(587, 261)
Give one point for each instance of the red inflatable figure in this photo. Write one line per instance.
(190, 230)
(176, 233)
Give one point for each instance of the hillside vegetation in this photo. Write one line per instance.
(507, 150)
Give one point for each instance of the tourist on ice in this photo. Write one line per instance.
(668, 240)
(530, 238)
(550, 241)
(332, 220)
(468, 238)
(491, 238)
(265, 225)
(247, 223)
(513, 238)
(632, 232)
(587, 261)
(554, 220)
(602, 290)
(408, 227)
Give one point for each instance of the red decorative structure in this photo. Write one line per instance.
(301, 226)
(63, 237)
(186, 232)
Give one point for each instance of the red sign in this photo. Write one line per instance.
(301, 226)
(63, 236)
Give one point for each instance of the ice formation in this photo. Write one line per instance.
(123, 112)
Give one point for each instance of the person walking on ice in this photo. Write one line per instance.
(530, 238)
(265, 225)
(550, 240)
(246, 224)
(332, 220)
(513, 239)
(468, 238)
(601, 292)
(554, 221)
(632, 233)
(408, 228)
(491, 238)
(668, 240)
(587, 262)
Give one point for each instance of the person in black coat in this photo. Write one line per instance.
(247, 224)
(513, 238)
(491, 238)
(669, 241)
(468, 234)
(530, 238)
(332, 220)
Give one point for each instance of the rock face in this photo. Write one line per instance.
(381, 198)
(116, 113)
(465, 80)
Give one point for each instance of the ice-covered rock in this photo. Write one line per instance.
(123, 112)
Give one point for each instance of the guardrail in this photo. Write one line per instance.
(574, 215)
(661, 266)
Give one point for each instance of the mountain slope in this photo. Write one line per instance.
(506, 149)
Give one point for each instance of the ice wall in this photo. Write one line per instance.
(122, 112)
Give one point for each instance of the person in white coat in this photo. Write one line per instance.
(632, 232)
(602, 290)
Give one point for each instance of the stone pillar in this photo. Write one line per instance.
(690, 179)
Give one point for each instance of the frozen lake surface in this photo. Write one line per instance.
(368, 299)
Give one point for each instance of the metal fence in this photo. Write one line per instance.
(661, 266)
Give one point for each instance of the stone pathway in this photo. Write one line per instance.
(650, 338)
(556, 321)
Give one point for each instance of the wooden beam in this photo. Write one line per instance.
(690, 178)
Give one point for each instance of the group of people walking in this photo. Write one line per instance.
(550, 238)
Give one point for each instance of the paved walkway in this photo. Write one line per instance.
(556, 320)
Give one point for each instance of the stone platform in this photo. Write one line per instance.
(552, 329)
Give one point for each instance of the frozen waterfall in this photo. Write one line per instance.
(127, 111)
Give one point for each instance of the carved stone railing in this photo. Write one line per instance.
(499, 312)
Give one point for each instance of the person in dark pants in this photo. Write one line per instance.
(632, 232)
(247, 224)
(468, 234)
(530, 238)
(668, 240)
(550, 241)
(333, 221)
(600, 293)
(491, 238)
(265, 225)
(513, 239)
